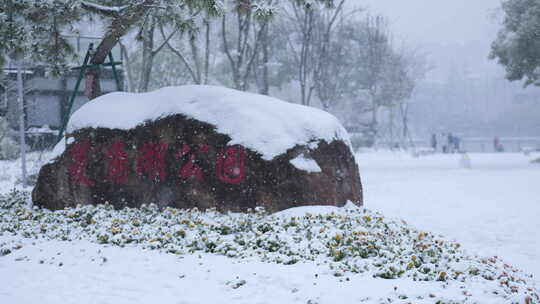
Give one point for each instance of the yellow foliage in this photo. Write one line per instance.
(116, 230)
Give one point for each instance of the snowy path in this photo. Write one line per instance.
(493, 208)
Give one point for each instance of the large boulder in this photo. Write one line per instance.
(200, 146)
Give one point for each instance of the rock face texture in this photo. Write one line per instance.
(182, 162)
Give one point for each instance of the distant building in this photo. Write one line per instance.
(46, 99)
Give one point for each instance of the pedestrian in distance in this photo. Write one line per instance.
(450, 143)
(497, 145)
(457, 143)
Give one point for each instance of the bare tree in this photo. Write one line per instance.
(127, 68)
(327, 82)
(415, 68)
(301, 46)
(242, 51)
(197, 65)
(310, 30)
(147, 35)
(261, 72)
(373, 46)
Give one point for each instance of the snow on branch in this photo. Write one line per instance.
(102, 9)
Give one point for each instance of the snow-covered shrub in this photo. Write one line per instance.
(9, 148)
(13, 199)
(347, 241)
(4, 176)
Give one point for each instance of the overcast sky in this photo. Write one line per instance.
(450, 32)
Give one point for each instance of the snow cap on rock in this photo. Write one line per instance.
(261, 123)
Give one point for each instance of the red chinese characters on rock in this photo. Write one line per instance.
(190, 169)
(231, 165)
(151, 161)
(117, 163)
(79, 163)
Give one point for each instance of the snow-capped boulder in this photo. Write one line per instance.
(200, 146)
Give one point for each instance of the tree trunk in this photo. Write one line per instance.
(265, 89)
(118, 28)
(374, 123)
(391, 126)
(207, 51)
(92, 83)
(126, 62)
(148, 56)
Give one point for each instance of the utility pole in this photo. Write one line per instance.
(22, 128)
(19, 60)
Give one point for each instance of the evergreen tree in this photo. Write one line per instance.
(33, 29)
(517, 46)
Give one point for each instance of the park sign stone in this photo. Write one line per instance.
(200, 146)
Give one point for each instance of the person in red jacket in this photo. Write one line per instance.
(497, 144)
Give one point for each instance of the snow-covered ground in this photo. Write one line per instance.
(91, 273)
(492, 209)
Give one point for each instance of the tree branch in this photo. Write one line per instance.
(111, 11)
(165, 41)
(179, 54)
(225, 42)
